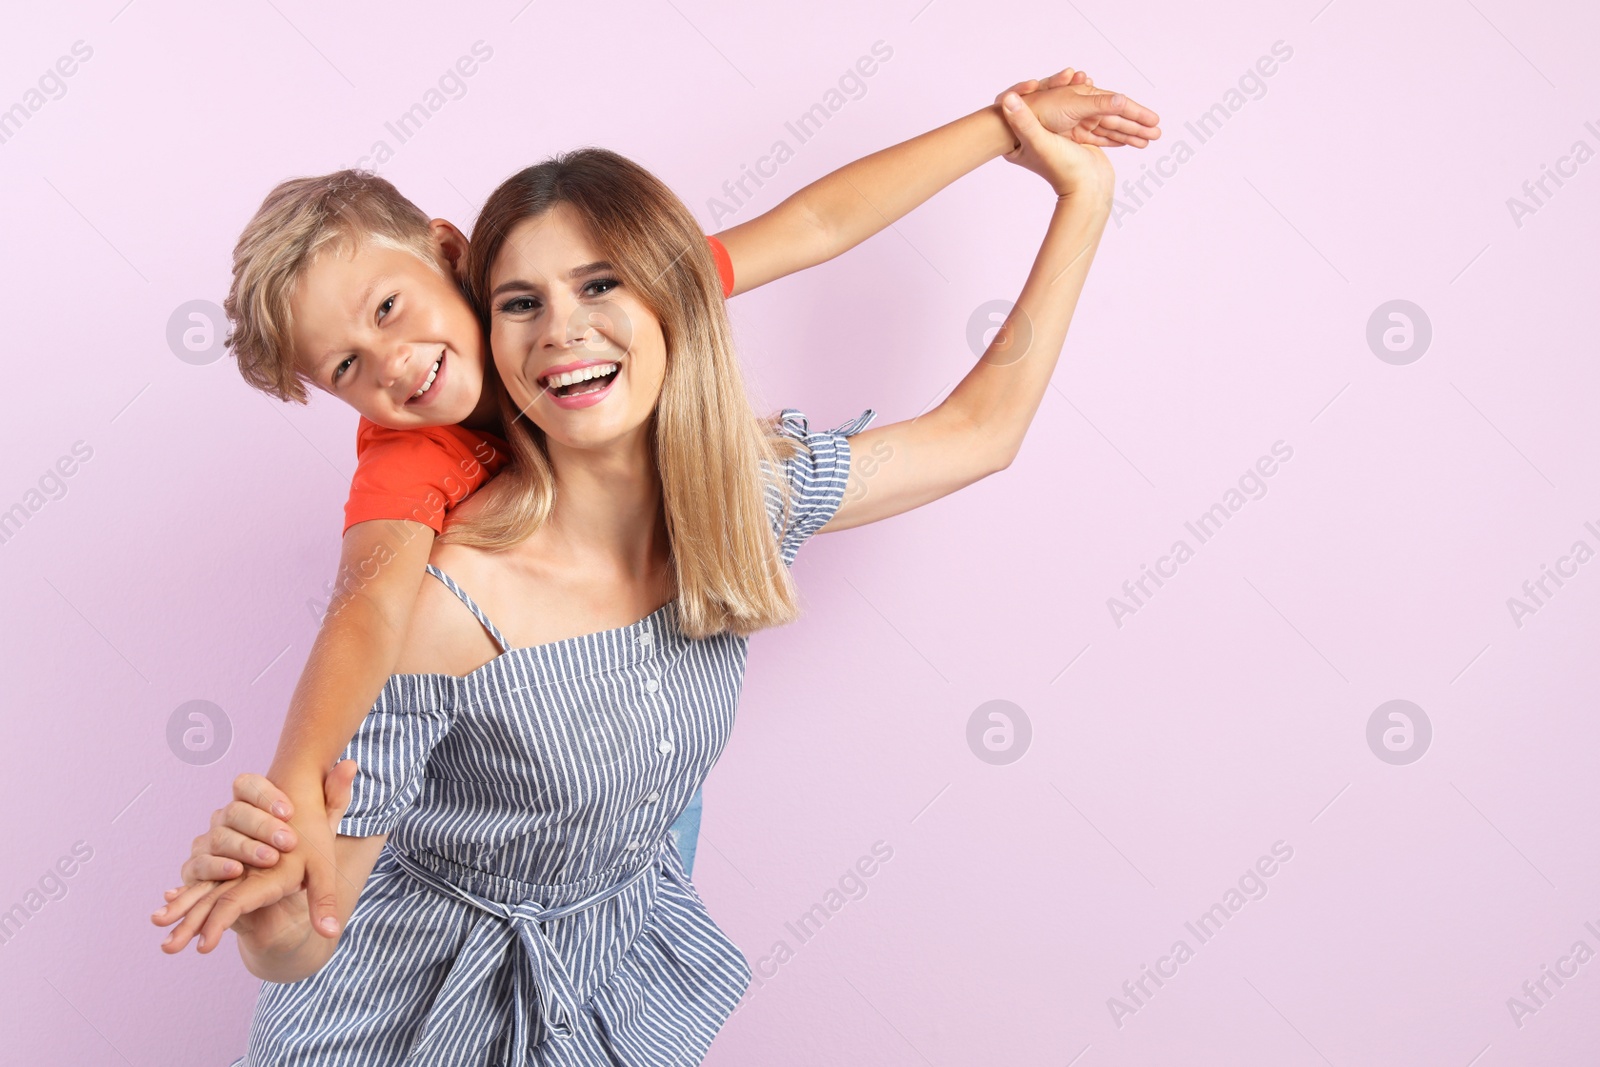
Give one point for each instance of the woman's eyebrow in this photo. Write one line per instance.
(509, 285)
(597, 267)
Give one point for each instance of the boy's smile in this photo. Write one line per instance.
(391, 335)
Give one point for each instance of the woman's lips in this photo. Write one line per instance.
(585, 400)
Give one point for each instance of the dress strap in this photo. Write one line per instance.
(450, 584)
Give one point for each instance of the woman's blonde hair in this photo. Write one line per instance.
(715, 457)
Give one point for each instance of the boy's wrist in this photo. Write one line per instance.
(303, 785)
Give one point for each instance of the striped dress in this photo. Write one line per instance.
(529, 906)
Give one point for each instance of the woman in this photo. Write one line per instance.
(574, 671)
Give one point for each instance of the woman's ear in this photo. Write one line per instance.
(452, 245)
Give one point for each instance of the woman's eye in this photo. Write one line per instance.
(344, 365)
(601, 286)
(385, 307)
(518, 305)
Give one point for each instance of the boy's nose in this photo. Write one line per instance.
(394, 365)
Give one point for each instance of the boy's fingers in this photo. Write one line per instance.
(177, 907)
(224, 912)
(181, 935)
(259, 791)
(1115, 124)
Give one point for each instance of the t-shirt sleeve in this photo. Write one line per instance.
(418, 474)
(816, 476)
(391, 750)
(724, 265)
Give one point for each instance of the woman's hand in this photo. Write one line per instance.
(1068, 103)
(249, 831)
(1072, 169)
(266, 905)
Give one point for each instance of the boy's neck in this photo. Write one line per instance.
(486, 415)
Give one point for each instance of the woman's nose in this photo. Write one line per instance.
(565, 324)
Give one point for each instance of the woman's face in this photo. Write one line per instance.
(558, 310)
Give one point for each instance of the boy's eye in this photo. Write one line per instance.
(344, 365)
(518, 305)
(601, 286)
(385, 307)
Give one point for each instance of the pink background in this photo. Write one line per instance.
(1226, 311)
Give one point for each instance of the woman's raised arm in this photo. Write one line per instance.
(979, 427)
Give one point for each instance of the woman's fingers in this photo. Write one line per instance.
(259, 825)
(223, 852)
(337, 786)
(258, 791)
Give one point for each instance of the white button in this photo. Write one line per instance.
(631, 845)
(664, 745)
(653, 797)
(651, 685)
(647, 638)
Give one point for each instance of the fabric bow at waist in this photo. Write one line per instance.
(538, 973)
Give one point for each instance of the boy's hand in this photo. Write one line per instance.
(274, 882)
(252, 830)
(1068, 103)
(1072, 169)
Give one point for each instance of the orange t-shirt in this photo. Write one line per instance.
(421, 474)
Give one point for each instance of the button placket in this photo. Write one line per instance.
(652, 685)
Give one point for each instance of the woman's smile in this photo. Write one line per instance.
(581, 385)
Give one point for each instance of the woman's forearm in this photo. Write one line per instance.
(296, 953)
(1002, 393)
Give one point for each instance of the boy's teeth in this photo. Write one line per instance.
(432, 374)
(582, 374)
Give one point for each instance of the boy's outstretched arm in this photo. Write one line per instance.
(381, 566)
(839, 211)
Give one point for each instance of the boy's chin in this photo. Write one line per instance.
(421, 418)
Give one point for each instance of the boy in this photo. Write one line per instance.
(342, 282)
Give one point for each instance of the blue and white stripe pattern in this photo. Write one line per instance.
(529, 906)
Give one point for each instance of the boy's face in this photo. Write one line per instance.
(390, 334)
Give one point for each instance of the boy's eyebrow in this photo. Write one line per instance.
(366, 295)
(597, 267)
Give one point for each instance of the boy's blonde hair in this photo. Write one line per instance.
(299, 219)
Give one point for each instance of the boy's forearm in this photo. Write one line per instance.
(354, 654)
(839, 211)
(350, 661)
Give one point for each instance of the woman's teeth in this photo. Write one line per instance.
(582, 374)
(432, 374)
(566, 384)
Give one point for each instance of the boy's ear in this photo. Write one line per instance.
(452, 245)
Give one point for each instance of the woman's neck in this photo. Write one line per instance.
(608, 509)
